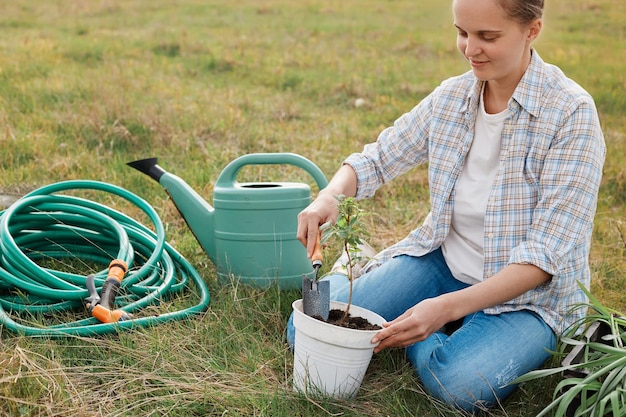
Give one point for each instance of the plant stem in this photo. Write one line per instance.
(350, 278)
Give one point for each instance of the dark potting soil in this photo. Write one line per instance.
(358, 323)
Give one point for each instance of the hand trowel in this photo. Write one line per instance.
(316, 294)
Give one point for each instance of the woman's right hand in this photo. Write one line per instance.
(324, 208)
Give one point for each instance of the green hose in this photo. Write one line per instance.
(45, 227)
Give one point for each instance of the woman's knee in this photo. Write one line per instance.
(447, 378)
(467, 391)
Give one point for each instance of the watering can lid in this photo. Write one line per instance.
(269, 195)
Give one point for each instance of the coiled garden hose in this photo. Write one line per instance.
(56, 230)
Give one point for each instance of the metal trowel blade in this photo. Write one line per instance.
(315, 297)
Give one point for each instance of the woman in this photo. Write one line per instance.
(515, 154)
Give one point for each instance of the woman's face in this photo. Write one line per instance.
(496, 46)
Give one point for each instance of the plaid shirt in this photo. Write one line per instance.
(544, 195)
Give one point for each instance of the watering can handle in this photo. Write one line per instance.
(228, 176)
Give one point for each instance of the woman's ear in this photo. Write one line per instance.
(534, 29)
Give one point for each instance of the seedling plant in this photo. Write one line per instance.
(350, 230)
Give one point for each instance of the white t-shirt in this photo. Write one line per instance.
(463, 247)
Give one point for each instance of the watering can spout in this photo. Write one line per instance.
(149, 167)
(198, 214)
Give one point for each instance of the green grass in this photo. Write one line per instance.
(87, 86)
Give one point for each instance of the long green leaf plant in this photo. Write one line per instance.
(599, 389)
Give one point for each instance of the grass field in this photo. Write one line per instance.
(86, 86)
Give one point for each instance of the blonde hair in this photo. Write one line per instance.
(523, 11)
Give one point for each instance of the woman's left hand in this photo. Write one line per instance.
(414, 325)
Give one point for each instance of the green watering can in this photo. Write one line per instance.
(250, 232)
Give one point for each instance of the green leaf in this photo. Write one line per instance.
(614, 381)
(539, 373)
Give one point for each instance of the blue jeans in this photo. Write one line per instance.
(469, 368)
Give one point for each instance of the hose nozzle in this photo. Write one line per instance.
(101, 306)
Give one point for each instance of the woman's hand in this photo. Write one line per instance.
(414, 325)
(324, 208)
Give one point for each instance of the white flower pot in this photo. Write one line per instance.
(329, 360)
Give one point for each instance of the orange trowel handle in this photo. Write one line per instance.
(317, 258)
